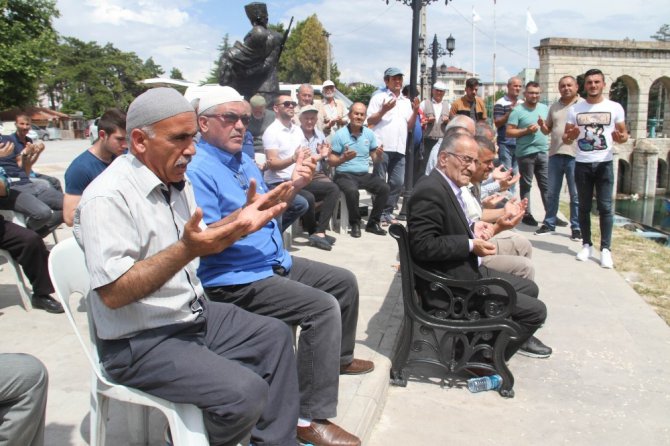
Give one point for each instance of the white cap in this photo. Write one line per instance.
(309, 108)
(217, 95)
(440, 86)
(328, 83)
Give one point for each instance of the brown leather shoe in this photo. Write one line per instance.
(325, 433)
(357, 367)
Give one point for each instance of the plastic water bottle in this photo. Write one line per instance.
(484, 383)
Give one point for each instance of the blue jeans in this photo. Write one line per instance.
(392, 163)
(598, 176)
(296, 208)
(508, 159)
(560, 165)
(535, 164)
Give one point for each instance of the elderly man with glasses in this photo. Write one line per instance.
(259, 275)
(444, 239)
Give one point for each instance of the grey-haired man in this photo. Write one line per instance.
(142, 235)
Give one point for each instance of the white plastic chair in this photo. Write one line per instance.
(341, 224)
(67, 268)
(20, 283)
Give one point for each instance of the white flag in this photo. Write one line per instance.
(475, 16)
(531, 27)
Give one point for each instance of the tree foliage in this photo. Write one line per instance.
(215, 73)
(27, 38)
(176, 73)
(305, 54)
(361, 93)
(663, 34)
(152, 68)
(86, 77)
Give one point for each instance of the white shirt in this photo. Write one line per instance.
(286, 140)
(391, 130)
(596, 123)
(123, 217)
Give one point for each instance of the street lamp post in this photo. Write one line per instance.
(414, 62)
(436, 51)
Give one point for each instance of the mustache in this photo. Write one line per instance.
(183, 161)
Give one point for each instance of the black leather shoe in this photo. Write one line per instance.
(46, 303)
(375, 229)
(534, 348)
(319, 242)
(355, 230)
(529, 220)
(330, 239)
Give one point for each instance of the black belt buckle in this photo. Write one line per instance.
(196, 306)
(279, 270)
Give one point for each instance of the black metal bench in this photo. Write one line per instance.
(466, 338)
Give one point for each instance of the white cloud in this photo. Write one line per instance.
(155, 13)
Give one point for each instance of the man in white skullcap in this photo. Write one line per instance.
(436, 112)
(259, 275)
(142, 234)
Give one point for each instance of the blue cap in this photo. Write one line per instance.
(393, 71)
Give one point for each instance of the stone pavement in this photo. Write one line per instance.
(606, 382)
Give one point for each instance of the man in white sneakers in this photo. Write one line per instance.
(596, 124)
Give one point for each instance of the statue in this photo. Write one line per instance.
(251, 66)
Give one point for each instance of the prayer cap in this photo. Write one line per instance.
(155, 105)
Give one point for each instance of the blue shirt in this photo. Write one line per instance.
(220, 182)
(9, 162)
(363, 144)
(83, 169)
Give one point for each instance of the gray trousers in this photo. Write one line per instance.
(513, 253)
(238, 367)
(323, 300)
(23, 400)
(41, 203)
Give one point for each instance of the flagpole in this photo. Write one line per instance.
(494, 48)
(473, 42)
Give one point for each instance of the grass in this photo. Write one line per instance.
(642, 262)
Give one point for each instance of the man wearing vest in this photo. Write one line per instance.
(436, 110)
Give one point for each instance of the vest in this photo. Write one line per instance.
(435, 129)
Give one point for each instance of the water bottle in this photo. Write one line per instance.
(484, 383)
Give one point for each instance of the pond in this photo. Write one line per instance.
(650, 212)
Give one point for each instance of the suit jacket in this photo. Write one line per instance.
(438, 230)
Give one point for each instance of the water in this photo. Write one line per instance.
(651, 212)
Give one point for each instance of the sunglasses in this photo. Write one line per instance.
(232, 118)
(288, 104)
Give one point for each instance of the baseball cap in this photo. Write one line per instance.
(393, 71)
(328, 83)
(309, 108)
(440, 86)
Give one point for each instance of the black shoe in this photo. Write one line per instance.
(534, 348)
(576, 235)
(319, 242)
(529, 220)
(561, 223)
(375, 229)
(330, 239)
(401, 217)
(355, 230)
(46, 303)
(544, 230)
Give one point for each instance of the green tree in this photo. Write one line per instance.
(663, 34)
(152, 68)
(305, 54)
(86, 77)
(215, 72)
(175, 73)
(360, 93)
(27, 38)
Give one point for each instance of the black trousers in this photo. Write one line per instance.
(327, 193)
(530, 312)
(323, 300)
(27, 248)
(238, 367)
(349, 183)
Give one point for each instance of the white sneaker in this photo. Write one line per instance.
(606, 259)
(585, 253)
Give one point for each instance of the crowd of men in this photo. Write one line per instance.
(179, 208)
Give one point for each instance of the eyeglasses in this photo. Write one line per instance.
(232, 118)
(288, 104)
(242, 179)
(465, 159)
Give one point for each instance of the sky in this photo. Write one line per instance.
(367, 36)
